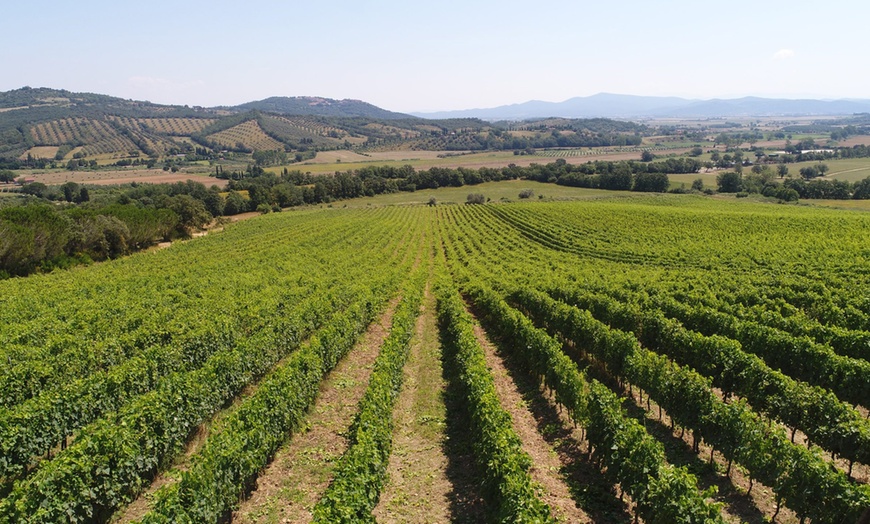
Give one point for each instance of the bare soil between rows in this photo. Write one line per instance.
(301, 470)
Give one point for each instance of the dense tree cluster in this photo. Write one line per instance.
(636, 176)
(497, 139)
(761, 181)
(41, 236)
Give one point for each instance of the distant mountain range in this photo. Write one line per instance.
(60, 125)
(605, 105)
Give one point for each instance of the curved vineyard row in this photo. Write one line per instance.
(506, 267)
(842, 431)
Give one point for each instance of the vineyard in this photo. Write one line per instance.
(166, 126)
(637, 359)
(250, 135)
(113, 135)
(571, 153)
(72, 131)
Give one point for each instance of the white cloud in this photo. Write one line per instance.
(783, 54)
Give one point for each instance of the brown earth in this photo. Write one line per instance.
(419, 489)
(292, 484)
(546, 464)
(123, 176)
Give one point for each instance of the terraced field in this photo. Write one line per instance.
(665, 359)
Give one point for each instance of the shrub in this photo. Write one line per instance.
(475, 198)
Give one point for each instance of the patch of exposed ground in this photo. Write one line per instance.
(594, 493)
(419, 489)
(292, 484)
(547, 467)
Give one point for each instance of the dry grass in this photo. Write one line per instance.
(418, 489)
(547, 467)
(122, 176)
(40, 152)
(292, 484)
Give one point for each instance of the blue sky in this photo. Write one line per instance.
(436, 55)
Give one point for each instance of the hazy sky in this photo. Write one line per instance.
(426, 56)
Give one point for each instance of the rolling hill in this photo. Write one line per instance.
(317, 106)
(59, 126)
(51, 125)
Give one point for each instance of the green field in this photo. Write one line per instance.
(268, 369)
(495, 191)
(848, 169)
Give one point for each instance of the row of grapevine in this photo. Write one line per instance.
(244, 443)
(311, 125)
(505, 260)
(115, 144)
(846, 376)
(633, 458)
(792, 471)
(497, 449)
(854, 343)
(72, 130)
(361, 471)
(147, 430)
(113, 458)
(248, 134)
(54, 332)
(175, 126)
(834, 425)
(798, 357)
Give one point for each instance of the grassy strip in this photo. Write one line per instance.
(234, 455)
(800, 477)
(633, 458)
(498, 450)
(362, 470)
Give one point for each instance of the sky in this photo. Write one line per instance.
(434, 56)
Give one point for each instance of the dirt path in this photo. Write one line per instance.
(547, 467)
(418, 489)
(292, 484)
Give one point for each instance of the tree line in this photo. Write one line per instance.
(791, 189)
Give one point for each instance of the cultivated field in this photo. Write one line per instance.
(428, 159)
(121, 176)
(248, 134)
(671, 358)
